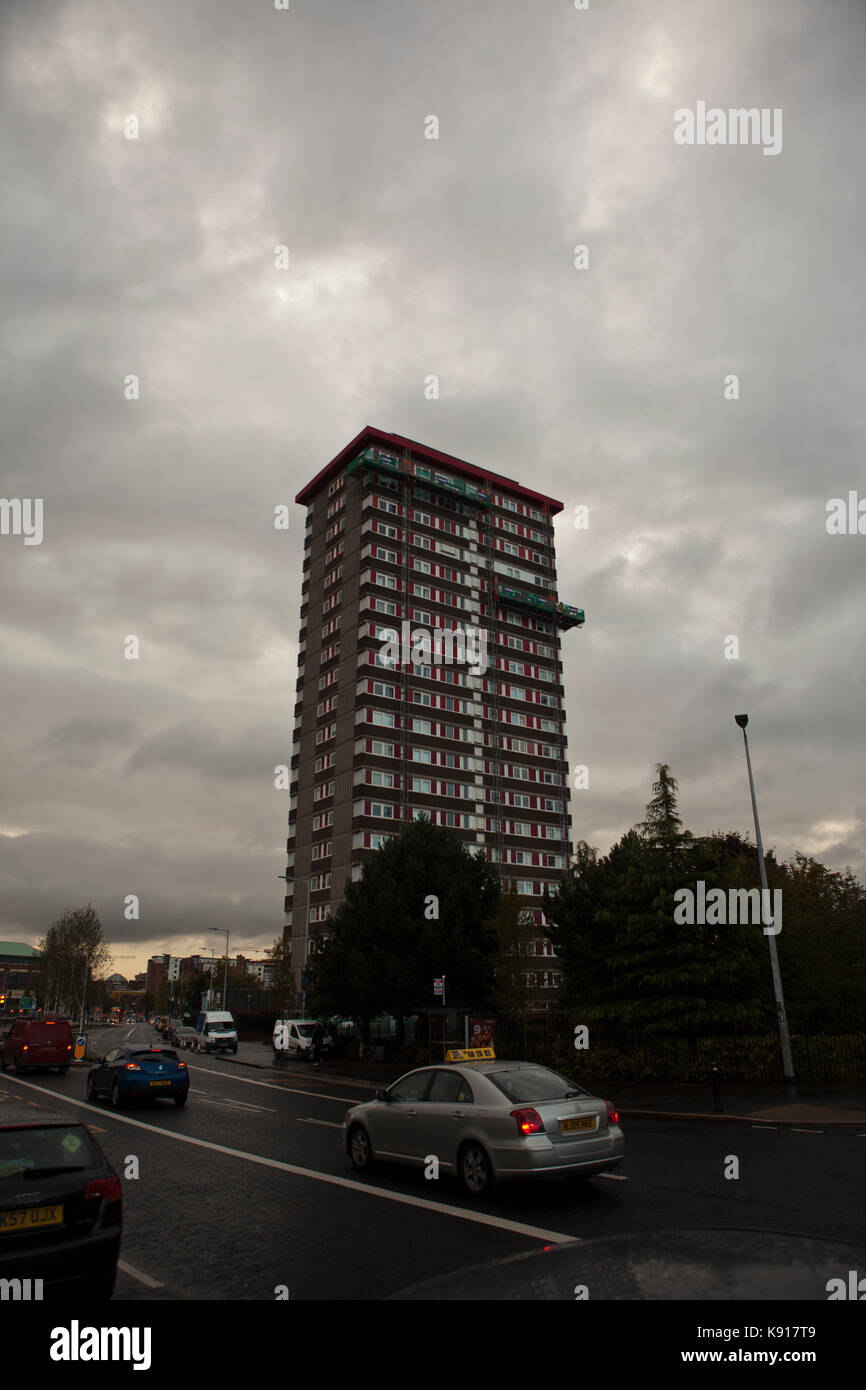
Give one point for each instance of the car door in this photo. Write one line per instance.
(102, 1079)
(442, 1119)
(396, 1122)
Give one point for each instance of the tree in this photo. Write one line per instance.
(420, 909)
(514, 927)
(74, 953)
(283, 976)
(662, 828)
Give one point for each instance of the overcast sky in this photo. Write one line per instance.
(411, 256)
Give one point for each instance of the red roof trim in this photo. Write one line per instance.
(370, 435)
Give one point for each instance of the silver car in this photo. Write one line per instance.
(487, 1122)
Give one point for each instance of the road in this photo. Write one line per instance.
(246, 1189)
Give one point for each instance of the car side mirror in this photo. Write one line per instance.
(382, 1095)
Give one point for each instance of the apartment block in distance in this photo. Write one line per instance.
(396, 533)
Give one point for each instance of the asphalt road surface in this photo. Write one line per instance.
(246, 1189)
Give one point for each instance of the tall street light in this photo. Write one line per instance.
(218, 930)
(784, 1040)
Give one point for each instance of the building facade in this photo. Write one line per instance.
(429, 677)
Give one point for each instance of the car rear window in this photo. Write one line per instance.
(154, 1052)
(35, 1150)
(526, 1084)
(49, 1033)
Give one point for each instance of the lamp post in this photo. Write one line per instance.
(784, 1040)
(226, 971)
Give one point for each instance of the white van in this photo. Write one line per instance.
(216, 1032)
(293, 1037)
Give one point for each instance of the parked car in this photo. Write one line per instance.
(185, 1037)
(38, 1043)
(293, 1037)
(487, 1122)
(128, 1073)
(60, 1204)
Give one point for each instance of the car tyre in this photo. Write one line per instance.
(181, 1100)
(61, 1071)
(234, 1049)
(116, 1097)
(360, 1149)
(475, 1170)
(91, 1094)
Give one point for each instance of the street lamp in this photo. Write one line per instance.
(784, 1040)
(218, 930)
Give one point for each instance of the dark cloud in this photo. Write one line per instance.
(410, 257)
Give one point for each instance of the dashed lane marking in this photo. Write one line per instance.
(137, 1274)
(477, 1218)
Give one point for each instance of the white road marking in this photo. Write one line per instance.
(479, 1218)
(286, 1090)
(232, 1104)
(806, 1131)
(306, 1120)
(613, 1177)
(137, 1274)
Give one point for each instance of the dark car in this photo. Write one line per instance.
(60, 1206)
(128, 1073)
(45, 1042)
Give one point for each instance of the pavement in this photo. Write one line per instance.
(841, 1109)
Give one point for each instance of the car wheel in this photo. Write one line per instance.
(19, 1069)
(360, 1149)
(91, 1094)
(474, 1170)
(61, 1071)
(181, 1100)
(234, 1049)
(116, 1097)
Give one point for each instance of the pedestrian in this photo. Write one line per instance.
(316, 1042)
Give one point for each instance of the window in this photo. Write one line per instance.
(390, 531)
(332, 601)
(387, 692)
(333, 578)
(329, 653)
(319, 913)
(382, 750)
(383, 605)
(381, 779)
(422, 543)
(323, 849)
(323, 820)
(422, 755)
(326, 706)
(331, 626)
(385, 809)
(325, 789)
(387, 721)
(385, 581)
(329, 678)
(384, 505)
(421, 784)
(421, 517)
(327, 731)
(390, 557)
(334, 553)
(320, 881)
(337, 484)
(324, 762)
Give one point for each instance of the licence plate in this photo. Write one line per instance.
(30, 1219)
(160, 1083)
(579, 1122)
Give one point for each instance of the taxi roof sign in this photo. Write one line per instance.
(470, 1054)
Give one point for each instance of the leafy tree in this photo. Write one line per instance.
(283, 976)
(514, 927)
(388, 940)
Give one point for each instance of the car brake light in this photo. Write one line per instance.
(24, 1048)
(612, 1113)
(132, 1066)
(69, 1047)
(528, 1121)
(108, 1189)
(181, 1064)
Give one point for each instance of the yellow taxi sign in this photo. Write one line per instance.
(470, 1054)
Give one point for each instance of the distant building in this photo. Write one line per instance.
(20, 974)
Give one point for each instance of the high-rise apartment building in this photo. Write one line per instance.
(429, 676)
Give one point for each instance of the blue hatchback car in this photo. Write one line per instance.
(128, 1073)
